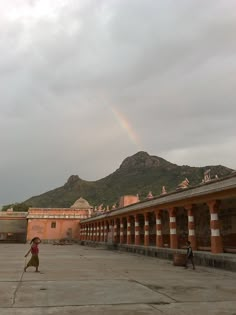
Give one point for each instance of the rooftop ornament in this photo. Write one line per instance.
(163, 191)
(207, 177)
(183, 185)
(150, 195)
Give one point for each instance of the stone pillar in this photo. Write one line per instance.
(216, 238)
(95, 232)
(173, 234)
(137, 231)
(191, 227)
(105, 231)
(90, 232)
(159, 237)
(146, 229)
(128, 230)
(83, 232)
(102, 231)
(111, 230)
(115, 240)
(121, 231)
(98, 232)
(86, 232)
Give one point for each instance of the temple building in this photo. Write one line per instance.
(204, 214)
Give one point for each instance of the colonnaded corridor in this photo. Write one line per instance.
(82, 280)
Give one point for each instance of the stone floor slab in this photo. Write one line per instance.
(137, 309)
(83, 280)
(102, 292)
(7, 293)
(202, 308)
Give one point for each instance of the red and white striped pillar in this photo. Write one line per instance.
(98, 232)
(191, 227)
(121, 231)
(94, 232)
(137, 230)
(83, 232)
(128, 230)
(146, 229)
(90, 232)
(216, 238)
(80, 232)
(111, 229)
(173, 232)
(105, 231)
(86, 232)
(115, 231)
(102, 231)
(159, 237)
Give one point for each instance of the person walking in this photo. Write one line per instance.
(189, 256)
(34, 250)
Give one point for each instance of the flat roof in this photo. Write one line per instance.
(212, 187)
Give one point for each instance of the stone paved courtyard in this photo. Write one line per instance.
(83, 280)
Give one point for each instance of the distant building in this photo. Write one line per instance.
(13, 226)
(51, 224)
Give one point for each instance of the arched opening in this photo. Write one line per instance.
(165, 228)
(227, 217)
(141, 228)
(152, 228)
(202, 227)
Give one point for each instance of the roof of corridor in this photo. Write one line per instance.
(184, 196)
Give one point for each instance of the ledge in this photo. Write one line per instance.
(222, 261)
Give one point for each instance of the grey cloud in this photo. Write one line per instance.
(168, 68)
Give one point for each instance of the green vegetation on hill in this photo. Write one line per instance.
(19, 207)
(138, 174)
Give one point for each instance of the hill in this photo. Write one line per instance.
(139, 173)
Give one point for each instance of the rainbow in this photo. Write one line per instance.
(126, 126)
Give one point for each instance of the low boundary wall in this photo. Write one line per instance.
(222, 261)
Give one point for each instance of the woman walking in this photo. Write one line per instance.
(34, 250)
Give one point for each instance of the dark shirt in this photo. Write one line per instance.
(189, 251)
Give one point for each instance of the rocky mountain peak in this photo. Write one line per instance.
(72, 179)
(141, 160)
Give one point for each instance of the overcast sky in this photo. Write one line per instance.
(84, 84)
